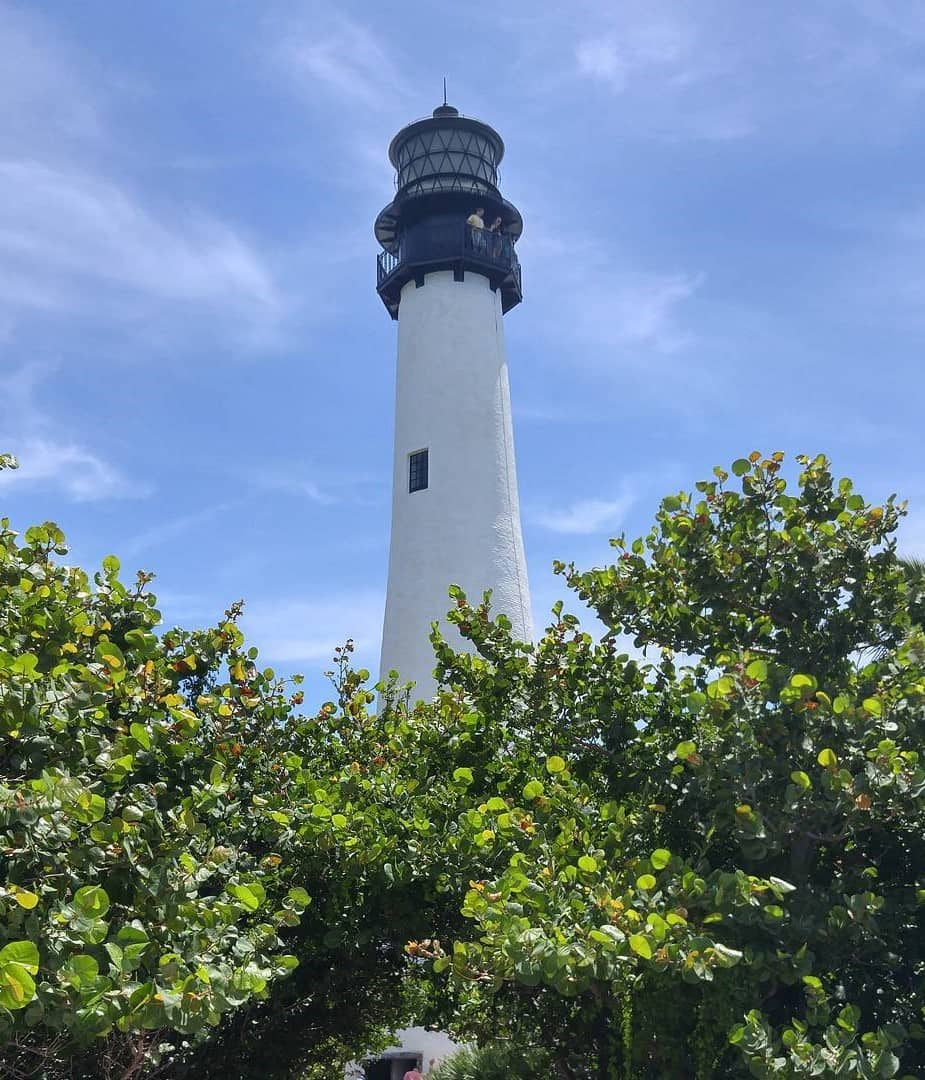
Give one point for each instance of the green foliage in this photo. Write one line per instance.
(723, 838)
(493, 1062)
(131, 902)
(914, 571)
(702, 859)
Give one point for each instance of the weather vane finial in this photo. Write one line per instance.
(444, 89)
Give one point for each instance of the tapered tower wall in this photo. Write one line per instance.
(452, 400)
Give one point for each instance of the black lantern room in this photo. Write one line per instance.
(447, 168)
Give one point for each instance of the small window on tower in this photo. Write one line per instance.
(417, 470)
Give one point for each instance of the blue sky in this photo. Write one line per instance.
(724, 214)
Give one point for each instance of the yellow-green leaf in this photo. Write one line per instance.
(660, 858)
(640, 945)
(24, 898)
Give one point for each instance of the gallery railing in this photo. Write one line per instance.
(448, 242)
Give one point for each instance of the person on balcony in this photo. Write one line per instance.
(476, 223)
(498, 238)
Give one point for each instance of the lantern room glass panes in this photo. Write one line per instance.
(447, 159)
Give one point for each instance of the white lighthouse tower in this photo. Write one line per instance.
(455, 509)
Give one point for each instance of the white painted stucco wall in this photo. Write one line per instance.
(452, 398)
(432, 1046)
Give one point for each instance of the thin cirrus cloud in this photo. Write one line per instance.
(719, 71)
(47, 458)
(78, 241)
(626, 313)
(63, 232)
(344, 58)
(38, 82)
(346, 74)
(586, 516)
(307, 631)
(67, 467)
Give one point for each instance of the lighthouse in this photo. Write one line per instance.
(448, 282)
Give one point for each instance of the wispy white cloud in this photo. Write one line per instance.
(79, 240)
(306, 631)
(170, 529)
(77, 472)
(643, 42)
(292, 482)
(63, 233)
(348, 76)
(340, 57)
(713, 72)
(38, 80)
(585, 516)
(47, 457)
(628, 311)
(325, 486)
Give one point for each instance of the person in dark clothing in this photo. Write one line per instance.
(497, 237)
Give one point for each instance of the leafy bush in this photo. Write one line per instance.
(493, 1062)
(707, 857)
(132, 902)
(698, 856)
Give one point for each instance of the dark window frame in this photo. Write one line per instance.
(418, 470)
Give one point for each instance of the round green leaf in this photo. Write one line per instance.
(660, 858)
(757, 669)
(17, 987)
(533, 789)
(588, 864)
(555, 764)
(741, 466)
(140, 734)
(91, 901)
(640, 945)
(645, 882)
(23, 953)
(81, 969)
(827, 759)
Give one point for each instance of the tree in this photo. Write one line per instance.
(914, 569)
(700, 854)
(132, 905)
(708, 859)
(170, 901)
